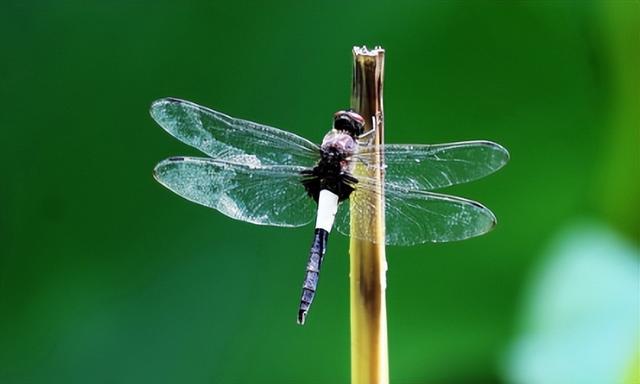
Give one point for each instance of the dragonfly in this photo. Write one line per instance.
(267, 176)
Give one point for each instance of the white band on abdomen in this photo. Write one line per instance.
(327, 208)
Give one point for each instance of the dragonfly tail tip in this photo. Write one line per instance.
(302, 314)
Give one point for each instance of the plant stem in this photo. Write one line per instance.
(369, 360)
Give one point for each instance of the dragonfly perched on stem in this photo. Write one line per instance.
(267, 176)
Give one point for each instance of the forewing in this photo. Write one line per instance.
(429, 167)
(265, 195)
(418, 217)
(235, 140)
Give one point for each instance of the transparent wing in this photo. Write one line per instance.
(266, 195)
(429, 167)
(417, 217)
(226, 138)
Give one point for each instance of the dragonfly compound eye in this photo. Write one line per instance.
(348, 121)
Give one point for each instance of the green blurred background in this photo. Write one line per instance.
(107, 277)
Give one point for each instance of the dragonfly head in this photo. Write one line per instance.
(348, 121)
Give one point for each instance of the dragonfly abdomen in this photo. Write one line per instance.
(327, 208)
(316, 255)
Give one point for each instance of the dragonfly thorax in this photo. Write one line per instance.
(338, 142)
(335, 152)
(333, 170)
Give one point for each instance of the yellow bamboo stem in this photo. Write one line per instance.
(369, 357)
